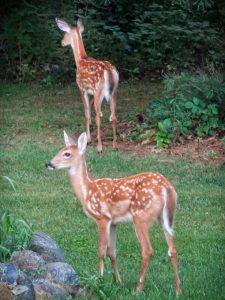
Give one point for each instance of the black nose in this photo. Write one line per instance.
(49, 165)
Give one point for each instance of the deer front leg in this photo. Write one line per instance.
(111, 251)
(87, 113)
(103, 237)
(141, 229)
(97, 103)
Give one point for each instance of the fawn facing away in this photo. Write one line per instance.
(96, 79)
(139, 199)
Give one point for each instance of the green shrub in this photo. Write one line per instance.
(164, 133)
(139, 129)
(190, 105)
(223, 140)
(138, 37)
(205, 116)
(31, 42)
(15, 234)
(208, 88)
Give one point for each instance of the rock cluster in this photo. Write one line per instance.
(39, 273)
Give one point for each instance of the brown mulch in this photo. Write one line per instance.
(208, 149)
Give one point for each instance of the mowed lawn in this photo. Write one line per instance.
(32, 120)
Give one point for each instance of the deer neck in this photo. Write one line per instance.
(80, 180)
(78, 47)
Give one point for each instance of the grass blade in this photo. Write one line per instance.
(12, 182)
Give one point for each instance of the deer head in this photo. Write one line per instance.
(69, 31)
(69, 157)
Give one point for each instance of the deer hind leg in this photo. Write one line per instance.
(141, 229)
(97, 104)
(87, 112)
(111, 251)
(166, 220)
(113, 119)
(174, 260)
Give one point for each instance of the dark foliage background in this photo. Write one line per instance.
(141, 38)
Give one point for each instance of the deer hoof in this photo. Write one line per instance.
(140, 286)
(178, 291)
(119, 281)
(137, 292)
(99, 147)
(115, 146)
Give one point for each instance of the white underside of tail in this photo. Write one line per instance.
(106, 88)
(165, 219)
(166, 225)
(105, 91)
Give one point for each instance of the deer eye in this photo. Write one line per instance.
(66, 154)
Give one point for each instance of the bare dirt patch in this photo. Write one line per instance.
(208, 149)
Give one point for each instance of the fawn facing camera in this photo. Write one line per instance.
(139, 199)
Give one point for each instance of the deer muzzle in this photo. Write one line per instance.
(50, 166)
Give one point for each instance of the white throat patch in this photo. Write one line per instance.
(72, 171)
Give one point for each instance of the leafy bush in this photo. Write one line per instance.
(138, 37)
(190, 105)
(209, 88)
(223, 140)
(171, 37)
(164, 133)
(138, 130)
(205, 116)
(31, 42)
(15, 234)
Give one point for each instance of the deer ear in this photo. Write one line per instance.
(80, 25)
(68, 140)
(82, 143)
(63, 25)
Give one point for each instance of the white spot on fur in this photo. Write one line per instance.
(90, 211)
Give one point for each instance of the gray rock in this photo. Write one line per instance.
(46, 247)
(40, 294)
(64, 275)
(24, 281)
(17, 282)
(46, 290)
(41, 273)
(27, 260)
(9, 274)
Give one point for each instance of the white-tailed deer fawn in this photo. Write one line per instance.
(96, 79)
(139, 199)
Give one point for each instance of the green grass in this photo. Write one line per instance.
(32, 120)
